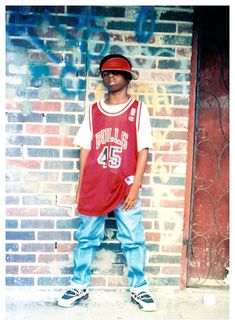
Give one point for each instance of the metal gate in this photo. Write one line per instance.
(208, 254)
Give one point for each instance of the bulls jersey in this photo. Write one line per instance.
(111, 163)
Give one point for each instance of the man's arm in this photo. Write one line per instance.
(131, 198)
(83, 157)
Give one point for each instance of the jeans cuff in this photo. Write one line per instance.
(139, 289)
(78, 286)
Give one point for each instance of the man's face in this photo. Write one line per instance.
(114, 80)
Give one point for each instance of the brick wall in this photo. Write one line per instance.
(51, 66)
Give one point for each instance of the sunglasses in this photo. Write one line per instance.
(106, 73)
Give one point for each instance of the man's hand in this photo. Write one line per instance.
(131, 198)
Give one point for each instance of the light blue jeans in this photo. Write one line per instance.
(130, 233)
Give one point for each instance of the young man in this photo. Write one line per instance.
(114, 139)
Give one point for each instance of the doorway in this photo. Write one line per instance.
(208, 239)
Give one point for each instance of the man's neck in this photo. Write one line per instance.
(117, 98)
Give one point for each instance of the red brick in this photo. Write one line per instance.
(148, 168)
(172, 248)
(37, 269)
(42, 129)
(12, 269)
(27, 164)
(145, 202)
(58, 141)
(13, 106)
(117, 281)
(147, 224)
(164, 147)
(17, 211)
(180, 147)
(178, 192)
(115, 37)
(130, 38)
(163, 76)
(152, 236)
(47, 106)
(98, 280)
(170, 157)
(67, 200)
(168, 111)
(65, 247)
(172, 203)
(55, 70)
(56, 188)
(50, 258)
(177, 135)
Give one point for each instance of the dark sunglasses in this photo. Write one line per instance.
(106, 73)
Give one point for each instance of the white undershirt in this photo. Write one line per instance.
(144, 138)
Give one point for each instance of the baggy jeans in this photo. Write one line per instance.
(130, 233)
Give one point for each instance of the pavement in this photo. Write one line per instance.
(172, 304)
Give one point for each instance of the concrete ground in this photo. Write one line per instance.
(172, 304)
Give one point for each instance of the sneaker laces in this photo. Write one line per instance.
(143, 295)
(74, 292)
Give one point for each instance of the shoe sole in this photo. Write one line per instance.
(153, 308)
(76, 302)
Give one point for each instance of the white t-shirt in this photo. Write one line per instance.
(144, 138)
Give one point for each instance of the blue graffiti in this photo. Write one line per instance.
(86, 43)
(146, 13)
(71, 70)
(87, 28)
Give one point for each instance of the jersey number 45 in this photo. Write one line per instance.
(110, 156)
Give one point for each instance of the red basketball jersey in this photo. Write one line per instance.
(111, 163)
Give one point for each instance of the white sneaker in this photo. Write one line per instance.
(144, 300)
(72, 297)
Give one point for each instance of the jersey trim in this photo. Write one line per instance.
(110, 114)
(138, 116)
(90, 118)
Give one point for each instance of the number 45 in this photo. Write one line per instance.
(109, 156)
